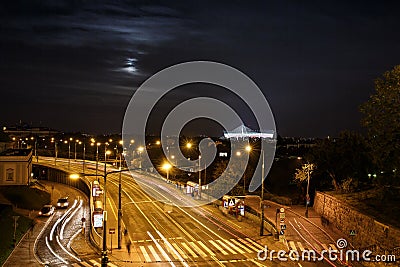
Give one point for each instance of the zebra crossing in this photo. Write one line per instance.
(299, 247)
(179, 250)
(196, 249)
(92, 263)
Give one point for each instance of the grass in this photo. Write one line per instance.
(7, 230)
(25, 197)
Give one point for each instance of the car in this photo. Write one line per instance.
(63, 202)
(47, 210)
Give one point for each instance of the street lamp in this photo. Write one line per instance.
(199, 193)
(55, 150)
(104, 257)
(140, 150)
(76, 142)
(167, 167)
(309, 167)
(69, 152)
(249, 149)
(97, 157)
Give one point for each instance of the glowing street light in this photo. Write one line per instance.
(167, 167)
(249, 149)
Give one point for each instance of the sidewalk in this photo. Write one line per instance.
(23, 254)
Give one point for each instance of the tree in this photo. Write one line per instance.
(338, 159)
(382, 120)
(303, 174)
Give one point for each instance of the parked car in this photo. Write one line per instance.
(47, 210)
(63, 203)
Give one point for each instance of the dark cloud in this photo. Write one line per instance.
(314, 61)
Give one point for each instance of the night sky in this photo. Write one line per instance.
(73, 65)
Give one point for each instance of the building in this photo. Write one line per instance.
(24, 131)
(243, 132)
(15, 167)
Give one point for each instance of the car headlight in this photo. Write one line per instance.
(40, 213)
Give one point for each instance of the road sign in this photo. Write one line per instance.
(282, 210)
(231, 202)
(111, 231)
(97, 220)
(283, 226)
(281, 232)
(282, 215)
(352, 232)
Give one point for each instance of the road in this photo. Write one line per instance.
(303, 235)
(52, 245)
(168, 235)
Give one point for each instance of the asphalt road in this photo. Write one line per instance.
(52, 245)
(170, 235)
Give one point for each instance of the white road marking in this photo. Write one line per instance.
(206, 248)
(254, 243)
(226, 247)
(175, 254)
(189, 250)
(242, 246)
(145, 254)
(197, 249)
(181, 252)
(154, 253)
(165, 255)
(218, 247)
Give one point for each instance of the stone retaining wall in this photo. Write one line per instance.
(368, 231)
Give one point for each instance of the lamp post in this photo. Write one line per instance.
(76, 141)
(199, 177)
(140, 150)
(309, 166)
(83, 157)
(97, 158)
(248, 149)
(262, 195)
(119, 203)
(104, 256)
(106, 152)
(55, 150)
(167, 167)
(69, 152)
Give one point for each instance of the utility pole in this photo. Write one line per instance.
(262, 195)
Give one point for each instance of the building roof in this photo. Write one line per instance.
(245, 132)
(16, 152)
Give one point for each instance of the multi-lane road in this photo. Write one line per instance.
(163, 234)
